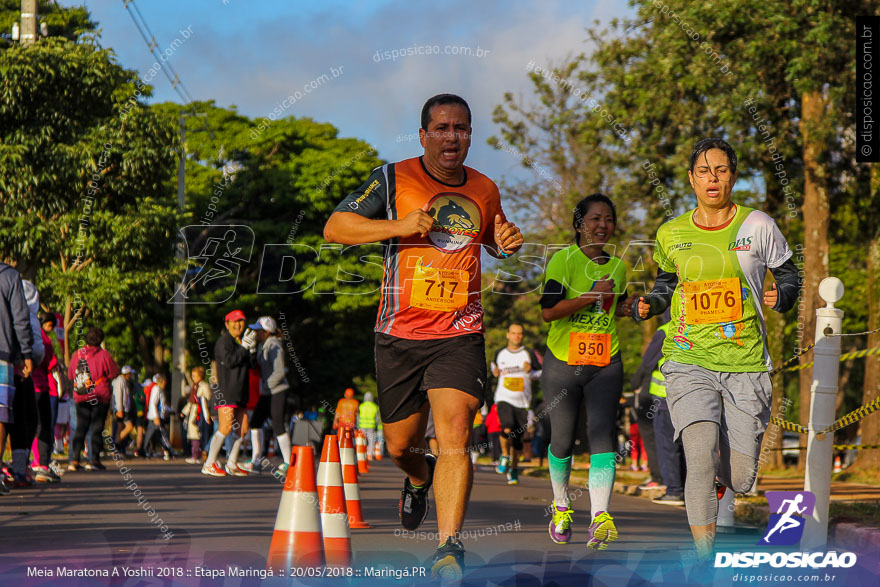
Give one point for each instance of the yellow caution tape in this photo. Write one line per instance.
(854, 416)
(783, 366)
(790, 426)
(841, 422)
(836, 447)
(843, 357)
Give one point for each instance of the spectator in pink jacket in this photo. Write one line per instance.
(91, 406)
(46, 383)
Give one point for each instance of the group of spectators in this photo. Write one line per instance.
(43, 400)
(52, 405)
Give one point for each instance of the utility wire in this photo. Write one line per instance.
(150, 39)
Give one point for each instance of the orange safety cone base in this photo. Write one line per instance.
(296, 540)
(295, 549)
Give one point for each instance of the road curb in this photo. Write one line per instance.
(637, 491)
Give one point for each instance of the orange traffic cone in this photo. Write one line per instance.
(350, 482)
(360, 447)
(331, 496)
(837, 467)
(377, 451)
(296, 541)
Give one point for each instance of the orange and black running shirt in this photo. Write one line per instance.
(431, 285)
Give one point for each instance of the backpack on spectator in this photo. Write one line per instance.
(82, 382)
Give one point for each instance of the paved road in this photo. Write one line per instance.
(93, 521)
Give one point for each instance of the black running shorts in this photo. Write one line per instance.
(406, 369)
(517, 419)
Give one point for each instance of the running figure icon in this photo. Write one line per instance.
(786, 522)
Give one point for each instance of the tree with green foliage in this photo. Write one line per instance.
(281, 179)
(84, 181)
(70, 23)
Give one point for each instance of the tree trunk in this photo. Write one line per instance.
(816, 218)
(158, 353)
(871, 425)
(66, 320)
(146, 353)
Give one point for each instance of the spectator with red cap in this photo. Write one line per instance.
(235, 352)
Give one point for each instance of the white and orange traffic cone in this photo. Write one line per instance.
(361, 448)
(296, 541)
(350, 482)
(340, 432)
(331, 497)
(377, 451)
(837, 467)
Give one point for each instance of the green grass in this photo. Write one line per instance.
(784, 472)
(753, 511)
(866, 476)
(865, 513)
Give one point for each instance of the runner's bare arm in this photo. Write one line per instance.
(349, 228)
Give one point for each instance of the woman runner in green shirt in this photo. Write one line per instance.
(584, 290)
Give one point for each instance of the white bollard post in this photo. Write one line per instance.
(823, 397)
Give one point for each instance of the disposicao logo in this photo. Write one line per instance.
(785, 528)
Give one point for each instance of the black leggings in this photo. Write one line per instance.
(24, 410)
(90, 418)
(47, 413)
(270, 406)
(568, 389)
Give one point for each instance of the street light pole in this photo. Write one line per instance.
(178, 334)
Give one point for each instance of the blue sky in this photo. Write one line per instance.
(254, 54)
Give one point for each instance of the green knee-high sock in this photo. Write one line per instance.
(601, 481)
(560, 471)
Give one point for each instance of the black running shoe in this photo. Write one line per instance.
(413, 504)
(448, 561)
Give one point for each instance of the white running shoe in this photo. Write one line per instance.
(214, 470)
(235, 470)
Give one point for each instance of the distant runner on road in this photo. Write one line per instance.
(515, 366)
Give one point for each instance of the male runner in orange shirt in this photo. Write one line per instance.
(433, 216)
